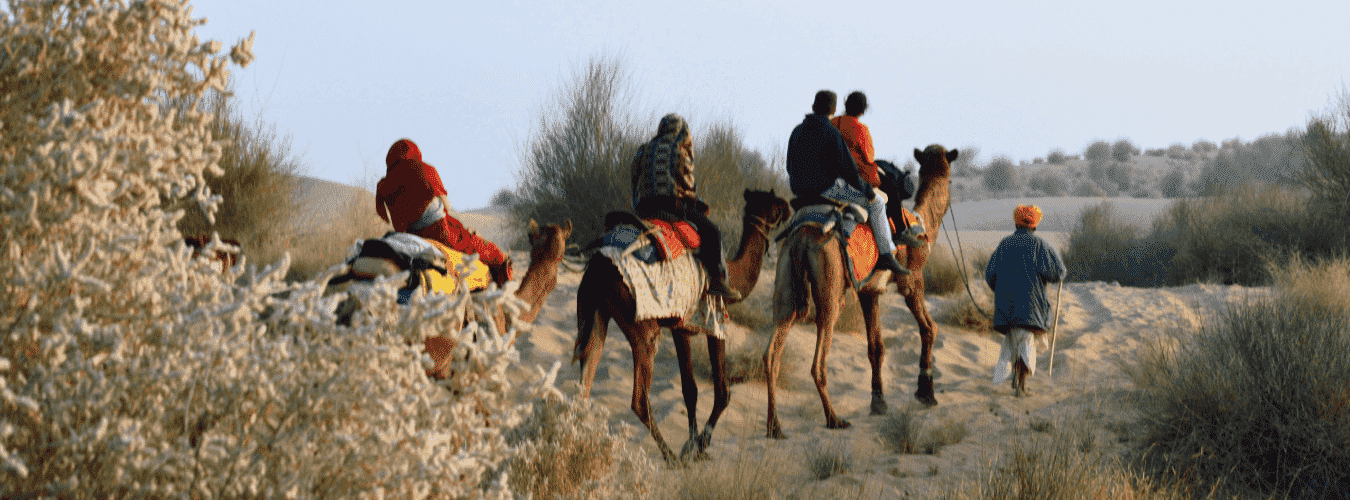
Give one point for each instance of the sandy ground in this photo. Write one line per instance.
(1100, 324)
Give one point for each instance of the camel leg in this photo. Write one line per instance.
(773, 357)
(717, 356)
(689, 387)
(642, 338)
(827, 313)
(876, 351)
(927, 335)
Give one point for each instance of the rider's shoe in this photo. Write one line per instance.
(887, 261)
(720, 288)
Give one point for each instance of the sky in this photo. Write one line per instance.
(467, 80)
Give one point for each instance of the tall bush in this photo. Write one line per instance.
(1123, 149)
(131, 371)
(1098, 150)
(1056, 156)
(1326, 145)
(1000, 174)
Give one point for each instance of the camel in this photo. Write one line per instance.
(547, 244)
(812, 262)
(227, 255)
(602, 296)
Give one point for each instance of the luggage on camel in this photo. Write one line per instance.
(848, 222)
(429, 262)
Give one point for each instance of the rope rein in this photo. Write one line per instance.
(961, 261)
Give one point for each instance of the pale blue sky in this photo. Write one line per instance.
(465, 80)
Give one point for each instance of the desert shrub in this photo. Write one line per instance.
(1123, 149)
(1257, 399)
(1000, 175)
(566, 448)
(577, 164)
(1099, 246)
(967, 163)
(1058, 466)
(942, 275)
(1088, 188)
(1049, 182)
(131, 371)
(1120, 175)
(1173, 185)
(1038, 160)
(726, 168)
(1056, 156)
(1097, 170)
(828, 460)
(1203, 147)
(1326, 145)
(1155, 152)
(503, 198)
(1097, 150)
(258, 184)
(1271, 159)
(975, 315)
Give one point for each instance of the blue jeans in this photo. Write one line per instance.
(876, 211)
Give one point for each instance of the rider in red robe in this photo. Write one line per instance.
(412, 198)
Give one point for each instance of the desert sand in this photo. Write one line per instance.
(1100, 325)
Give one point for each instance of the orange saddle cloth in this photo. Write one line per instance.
(862, 250)
(675, 237)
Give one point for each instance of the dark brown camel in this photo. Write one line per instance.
(811, 269)
(602, 296)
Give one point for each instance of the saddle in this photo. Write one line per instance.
(667, 239)
(848, 223)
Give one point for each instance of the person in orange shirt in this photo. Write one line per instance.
(859, 141)
(412, 199)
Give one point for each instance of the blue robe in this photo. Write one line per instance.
(1018, 272)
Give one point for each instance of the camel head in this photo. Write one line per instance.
(548, 242)
(767, 206)
(935, 161)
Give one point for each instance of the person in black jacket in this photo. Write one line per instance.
(819, 164)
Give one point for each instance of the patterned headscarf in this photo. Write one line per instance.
(671, 136)
(1027, 216)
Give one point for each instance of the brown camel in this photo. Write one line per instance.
(811, 269)
(602, 296)
(547, 245)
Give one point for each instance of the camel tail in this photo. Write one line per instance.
(794, 299)
(589, 293)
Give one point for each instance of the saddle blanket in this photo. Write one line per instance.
(862, 247)
(672, 238)
(669, 289)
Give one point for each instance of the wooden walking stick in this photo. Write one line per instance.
(1059, 297)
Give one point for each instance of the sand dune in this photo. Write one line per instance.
(1100, 324)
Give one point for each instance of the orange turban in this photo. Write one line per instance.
(1027, 216)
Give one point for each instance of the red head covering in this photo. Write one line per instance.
(403, 149)
(1027, 216)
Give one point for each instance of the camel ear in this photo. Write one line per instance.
(534, 227)
(918, 155)
(746, 194)
(951, 156)
(567, 226)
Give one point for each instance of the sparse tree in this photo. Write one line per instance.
(1173, 185)
(1123, 150)
(1327, 147)
(1056, 156)
(1098, 150)
(1203, 147)
(965, 164)
(1000, 174)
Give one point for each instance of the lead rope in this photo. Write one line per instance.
(961, 262)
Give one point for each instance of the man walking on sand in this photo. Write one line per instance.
(1018, 272)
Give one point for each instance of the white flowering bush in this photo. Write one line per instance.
(128, 369)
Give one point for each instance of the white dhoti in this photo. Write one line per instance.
(1019, 343)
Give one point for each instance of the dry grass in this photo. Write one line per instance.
(824, 461)
(942, 276)
(975, 315)
(1256, 400)
(902, 433)
(1061, 462)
